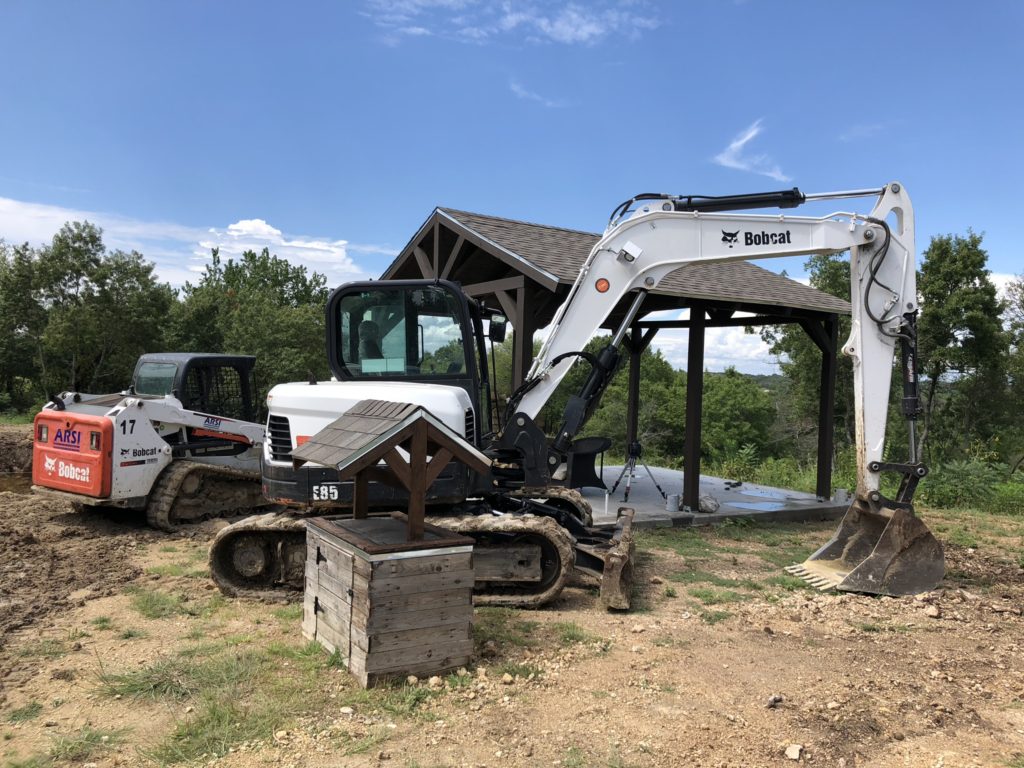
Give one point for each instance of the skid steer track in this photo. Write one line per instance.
(189, 491)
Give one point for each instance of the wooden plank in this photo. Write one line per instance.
(423, 261)
(409, 658)
(437, 464)
(402, 469)
(521, 563)
(433, 617)
(429, 637)
(331, 639)
(404, 585)
(414, 566)
(324, 557)
(418, 485)
(394, 604)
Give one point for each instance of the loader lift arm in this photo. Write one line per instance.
(668, 232)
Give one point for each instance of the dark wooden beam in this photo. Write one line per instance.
(694, 400)
(452, 257)
(636, 342)
(492, 286)
(423, 261)
(827, 407)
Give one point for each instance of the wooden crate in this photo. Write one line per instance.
(390, 607)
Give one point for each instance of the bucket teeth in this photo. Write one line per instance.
(819, 581)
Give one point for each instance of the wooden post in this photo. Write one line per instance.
(694, 400)
(525, 325)
(418, 484)
(636, 344)
(827, 408)
(360, 496)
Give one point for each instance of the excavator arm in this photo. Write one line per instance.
(637, 253)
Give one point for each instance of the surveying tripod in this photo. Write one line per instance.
(634, 451)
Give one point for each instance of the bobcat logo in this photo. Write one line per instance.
(730, 237)
(49, 465)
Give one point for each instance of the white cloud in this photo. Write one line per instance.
(733, 156)
(517, 88)
(478, 21)
(179, 251)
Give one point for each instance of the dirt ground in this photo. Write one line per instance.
(117, 650)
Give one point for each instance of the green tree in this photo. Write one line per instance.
(259, 305)
(22, 319)
(962, 345)
(736, 412)
(800, 357)
(102, 310)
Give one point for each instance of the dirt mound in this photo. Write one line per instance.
(52, 558)
(16, 448)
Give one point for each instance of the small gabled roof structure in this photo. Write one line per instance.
(373, 431)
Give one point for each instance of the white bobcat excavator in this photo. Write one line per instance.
(422, 342)
(180, 443)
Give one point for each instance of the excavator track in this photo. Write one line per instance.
(189, 491)
(264, 555)
(557, 496)
(536, 537)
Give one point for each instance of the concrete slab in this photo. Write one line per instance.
(735, 500)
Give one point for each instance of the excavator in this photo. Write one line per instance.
(423, 342)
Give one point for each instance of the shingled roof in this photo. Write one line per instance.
(559, 253)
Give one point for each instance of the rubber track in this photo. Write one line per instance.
(571, 495)
(517, 597)
(286, 523)
(164, 495)
(281, 523)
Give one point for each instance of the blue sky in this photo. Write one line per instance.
(329, 131)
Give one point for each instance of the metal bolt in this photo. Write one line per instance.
(910, 305)
(552, 460)
(895, 189)
(649, 282)
(869, 235)
(521, 421)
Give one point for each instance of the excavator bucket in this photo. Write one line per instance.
(887, 551)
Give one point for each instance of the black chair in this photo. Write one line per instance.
(582, 457)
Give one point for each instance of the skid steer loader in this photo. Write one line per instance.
(181, 443)
(377, 351)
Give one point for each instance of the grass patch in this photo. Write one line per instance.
(502, 627)
(360, 746)
(239, 693)
(713, 617)
(710, 596)
(686, 542)
(153, 604)
(24, 714)
(82, 745)
(574, 758)
(788, 583)
(288, 613)
(520, 670)
(671, 592)
(46, 648)
(102, 622)
(571, 633)
(131, 634)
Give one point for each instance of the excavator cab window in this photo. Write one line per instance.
(394, 332)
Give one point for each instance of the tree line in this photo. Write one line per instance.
(77, 316)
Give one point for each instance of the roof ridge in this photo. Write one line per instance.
(518, 221)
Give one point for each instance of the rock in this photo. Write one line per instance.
(933, 611)
(347, 711)
(435, 682)
(832, 705)
(462, 672)
(412, 680)
(50, 724)
(637, 629)
(774, 700)
(768, 630)
(382, 755)
(481, 672)
(657, 580)
(189, 709)
(708, 504)
(793, 751)
(507, 679)
(280, 735)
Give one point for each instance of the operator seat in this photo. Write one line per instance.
(369, 341)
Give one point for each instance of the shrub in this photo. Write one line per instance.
(969, 483)
(1006, 499)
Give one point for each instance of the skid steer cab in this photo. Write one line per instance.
(183, 414)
